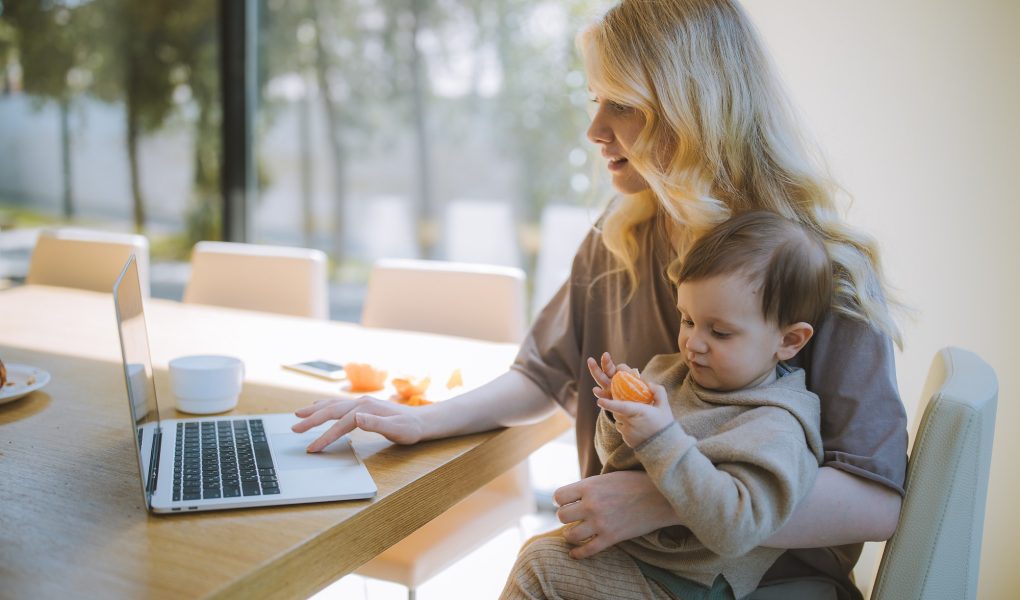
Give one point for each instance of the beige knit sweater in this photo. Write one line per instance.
(734, 465)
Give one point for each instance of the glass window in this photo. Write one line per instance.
(418, 128)
(109, 119)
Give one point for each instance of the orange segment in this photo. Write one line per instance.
(364, 377)
(408, 388)
(628, 386)
(455, 380)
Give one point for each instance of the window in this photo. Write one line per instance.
(416, 128)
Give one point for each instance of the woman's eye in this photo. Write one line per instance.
(620, 108)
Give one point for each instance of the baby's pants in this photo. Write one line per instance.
(545, 570)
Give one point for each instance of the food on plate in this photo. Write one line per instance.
(411, 391)
(3, 374)
(627, 385)
(455, 380)
(364, 377)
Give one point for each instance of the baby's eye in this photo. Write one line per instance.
(686, 323)
(722, 335)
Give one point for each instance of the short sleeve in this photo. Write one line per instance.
(851, 367)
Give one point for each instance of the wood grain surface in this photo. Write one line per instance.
(72, 516)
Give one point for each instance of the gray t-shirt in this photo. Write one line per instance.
(849, 365)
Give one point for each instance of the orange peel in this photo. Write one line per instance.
(409, 389)
(364, 377)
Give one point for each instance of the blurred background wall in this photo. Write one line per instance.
(915, 105)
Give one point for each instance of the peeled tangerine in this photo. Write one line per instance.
(628, 386)
(364, 377)
(410, 391)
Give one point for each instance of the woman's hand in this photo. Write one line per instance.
(606, 509)
(400, 424)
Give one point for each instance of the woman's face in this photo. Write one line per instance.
(615, 127)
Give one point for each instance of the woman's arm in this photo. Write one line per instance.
(510, 399)
(840, 509)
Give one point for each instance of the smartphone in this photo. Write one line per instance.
(318, 368)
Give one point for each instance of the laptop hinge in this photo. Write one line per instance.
(157, 443)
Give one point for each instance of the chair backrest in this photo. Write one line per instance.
(469, 300)
(480, 231)
(562, 229)
(936, 550)
(277, 279)
(86, 259)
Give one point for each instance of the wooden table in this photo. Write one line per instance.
(72, 517)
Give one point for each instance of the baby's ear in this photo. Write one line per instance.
(794, 338)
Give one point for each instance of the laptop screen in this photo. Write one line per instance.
(141, 389)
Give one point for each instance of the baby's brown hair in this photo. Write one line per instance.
(787, 262)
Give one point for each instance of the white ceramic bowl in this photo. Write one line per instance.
(206, 384)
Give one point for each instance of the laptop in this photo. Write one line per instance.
(229, 461)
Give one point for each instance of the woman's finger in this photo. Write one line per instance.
(304, 411)
(321, 414)
(569, 513)
(593, 546)
(568, 493)
(342, 427)
(578, 532)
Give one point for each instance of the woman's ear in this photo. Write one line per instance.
(794, 338)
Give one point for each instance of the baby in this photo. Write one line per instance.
(731, 436)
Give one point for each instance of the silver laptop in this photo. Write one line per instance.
(230, 461)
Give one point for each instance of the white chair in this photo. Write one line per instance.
(277, 279)
(86, 259)
(483, 302)
(471, 300)
(480, 231)
(935, 553)
(562, 229)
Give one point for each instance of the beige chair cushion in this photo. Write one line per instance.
(86, 259)
(469, 300)
(484, 302)
(276, 279)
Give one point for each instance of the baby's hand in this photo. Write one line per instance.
(637, 422)
(603, 374)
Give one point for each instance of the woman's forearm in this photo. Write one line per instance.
(840, 509)
(510, 399)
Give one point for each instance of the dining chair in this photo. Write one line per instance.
(276, 279)
(935, 553)
(468, 300)
(480, 231)
(562, 228)
(478, 301)
(86, 259)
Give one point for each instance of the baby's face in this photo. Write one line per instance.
(724, 338)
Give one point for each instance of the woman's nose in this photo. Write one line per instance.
(598, 131)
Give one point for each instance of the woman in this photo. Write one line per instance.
(694, 126)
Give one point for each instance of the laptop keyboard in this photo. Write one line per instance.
(222, 459)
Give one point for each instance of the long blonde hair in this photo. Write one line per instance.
(719, 138)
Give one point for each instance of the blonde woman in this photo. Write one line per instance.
(694, 127)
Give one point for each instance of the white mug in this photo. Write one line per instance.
(206, 384)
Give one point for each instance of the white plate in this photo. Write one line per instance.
(22, 380)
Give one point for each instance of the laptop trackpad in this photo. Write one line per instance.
(289, 450)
